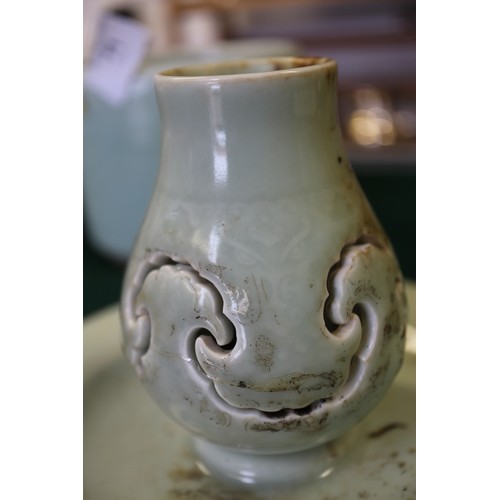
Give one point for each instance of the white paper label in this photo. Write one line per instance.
(120, 48)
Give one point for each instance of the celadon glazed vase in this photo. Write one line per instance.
(263, 307)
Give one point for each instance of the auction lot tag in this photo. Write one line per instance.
(120, 48)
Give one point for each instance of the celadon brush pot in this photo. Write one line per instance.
(263, 306)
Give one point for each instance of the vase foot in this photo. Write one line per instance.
(264, 470)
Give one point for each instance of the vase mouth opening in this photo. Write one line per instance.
(247, 68)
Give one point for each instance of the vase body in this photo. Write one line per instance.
(263, 306)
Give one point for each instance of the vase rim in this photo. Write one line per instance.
(246, 69)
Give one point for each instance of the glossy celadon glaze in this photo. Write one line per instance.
(263, 306)
(122, 144)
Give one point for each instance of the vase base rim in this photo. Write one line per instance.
(264, 471)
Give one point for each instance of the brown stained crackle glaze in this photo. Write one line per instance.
(181, 474)
(208, 493)
(296, 382)
(296, 62)
(217, 416)
(393, 325)
(264, 352)
(309, 423)
(386, 428)
(379, 374)
(216, 270)
(365, 289)
(246, 67)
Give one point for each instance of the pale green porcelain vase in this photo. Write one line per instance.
(263, 307)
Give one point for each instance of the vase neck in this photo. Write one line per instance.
(268, 134)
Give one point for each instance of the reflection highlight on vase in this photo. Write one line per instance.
(219, 137)
(214, 240)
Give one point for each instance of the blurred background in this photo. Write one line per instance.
(126, 42)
